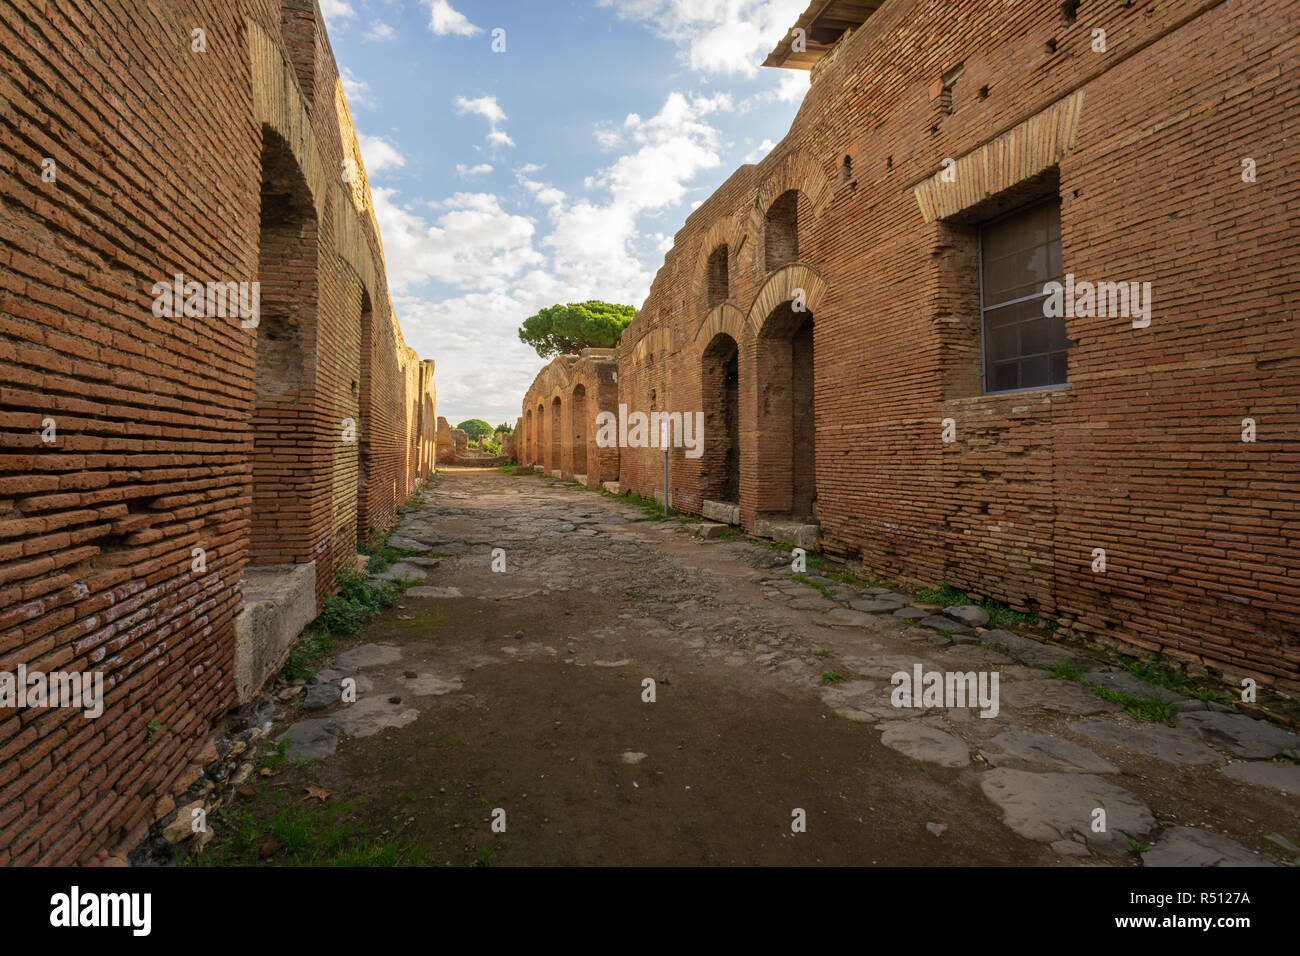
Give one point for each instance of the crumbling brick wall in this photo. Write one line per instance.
(446, 448)
(173, 457)
(1141, 453)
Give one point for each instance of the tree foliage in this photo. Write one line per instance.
(475, 428)
(567, 329)
(503, 427)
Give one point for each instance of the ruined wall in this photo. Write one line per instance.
(125, 537)
(559, 424)
(1141, 452)
(446, 448)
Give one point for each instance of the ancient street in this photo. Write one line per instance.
(523, 691)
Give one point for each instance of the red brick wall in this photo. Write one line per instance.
(159, 172)
(1141, 453)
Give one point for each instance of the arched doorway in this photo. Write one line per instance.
(282, 492)
(557, 446)
(365, 420)
(578, 408)
(540, 445)
(786, 426)
(781, 231)
(720, 388)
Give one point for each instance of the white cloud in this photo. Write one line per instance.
(603, 239)
(483, 368)
(793, 85)
(468, 172)
(335, 12)
(380, 31)
(357, 91)
(485, 106)
(718, 36)
(378, 154)
(608, 138)
(475, 244)
(488, 108)
(545, 194)
(760, 151)
(466, 270)
(444, 20)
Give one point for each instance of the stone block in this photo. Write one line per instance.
(721, 511)
(279, 601)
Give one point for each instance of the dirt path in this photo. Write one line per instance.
(523, 691)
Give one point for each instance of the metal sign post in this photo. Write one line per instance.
(663, 443)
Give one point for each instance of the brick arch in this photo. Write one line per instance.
(731, 231)
(555, 407)
(800, 171)
(729, 318)
(780, 287)
(728, 230)
(278, 104)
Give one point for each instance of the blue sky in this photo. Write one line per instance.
(555, 171)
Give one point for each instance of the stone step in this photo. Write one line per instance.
(721, 511)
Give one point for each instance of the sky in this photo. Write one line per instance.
(554, 170)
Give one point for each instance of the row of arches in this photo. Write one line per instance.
(756, 367)
(755, 373)
(757, 393)
(296, 372)
(748, 372)
(559, 421)
(780, 238)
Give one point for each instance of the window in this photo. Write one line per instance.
(782, 234)
(1019, 253)
(718, 277)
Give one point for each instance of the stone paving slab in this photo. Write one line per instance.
(1027, 649)
(1170, 744)
(812, 602)
(401, 571)
(937, 622)
(874, 605)
(845, 617)
(1060, 806)
(911, 613)
(1188, 846)
(1056, 695)
(1125, 683)
(926, 744)
(1239, 735)
(971, 615)
(1282, 776)
(311, 739)
(403, 543)
(1014, 748)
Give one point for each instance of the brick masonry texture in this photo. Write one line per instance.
(1141, 453)
(185, 431)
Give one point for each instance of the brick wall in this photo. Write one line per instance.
(1141, 453)
(178, 432)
